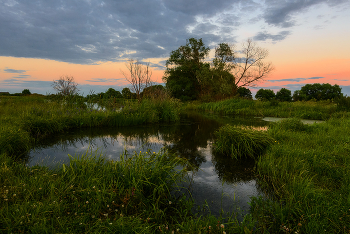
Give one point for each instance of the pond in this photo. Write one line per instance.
(220, 182)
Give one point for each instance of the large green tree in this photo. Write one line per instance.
(182, 67)
(317, 92)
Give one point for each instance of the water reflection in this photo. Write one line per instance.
(221, 182)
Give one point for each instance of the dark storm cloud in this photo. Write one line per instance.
(90, 31)
(14, 71)
(263, 36)
(280, 13)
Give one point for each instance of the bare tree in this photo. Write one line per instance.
(139, 77)
(65, 86)
(251, 67)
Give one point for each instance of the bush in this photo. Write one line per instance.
(343, 103)
(265, 94)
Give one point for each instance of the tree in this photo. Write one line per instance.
(244, 93)
(317, 92)
(284, 95)
(265, 94)
(139, 77)
(127, 94)
(65, 86)
(182, 66)
(155, 92)
(251, 67)
(112, 93)
(26, 92)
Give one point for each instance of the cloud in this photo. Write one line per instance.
(92, 31)
(280, 13)
(263, 36)
(105, 79)
(14, 71)
(22, 76)
(87, 32)
(297, 79)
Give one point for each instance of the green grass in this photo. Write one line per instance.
(27, 119)
(241, 142)
(321, 110)
(307, 171)
(94, 195)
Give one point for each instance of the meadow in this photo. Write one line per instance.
(304, 169)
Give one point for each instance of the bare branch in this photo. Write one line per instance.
(139, 76)
(253, 67)
(65, 86)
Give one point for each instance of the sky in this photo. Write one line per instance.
(41, 40)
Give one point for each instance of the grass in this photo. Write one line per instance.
(241, 142)
(27, 119)
(94, 195)
(308, 172)
(321, 110)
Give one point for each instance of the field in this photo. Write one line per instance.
(303, 168)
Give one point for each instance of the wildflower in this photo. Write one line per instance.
(93, 187)
(222, 226)
(223, 232)
(87, 202)
(80, 223)
(122, 205)
(209, 227)
(121, 215)
(107, 205)
(169, 202)
(110, 223)
(116, 210)
(105, 215)
(14, 194)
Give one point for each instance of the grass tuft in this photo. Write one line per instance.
(241, 142)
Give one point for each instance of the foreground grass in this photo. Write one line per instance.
(93, 195)
(321, 110)
(307, 169)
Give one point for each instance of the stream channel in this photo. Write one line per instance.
(224, 184)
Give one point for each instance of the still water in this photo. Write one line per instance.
(224, 184)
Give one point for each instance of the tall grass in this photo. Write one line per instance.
(25, 119)
(241, 142)
(305, 110)
(308, 172)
